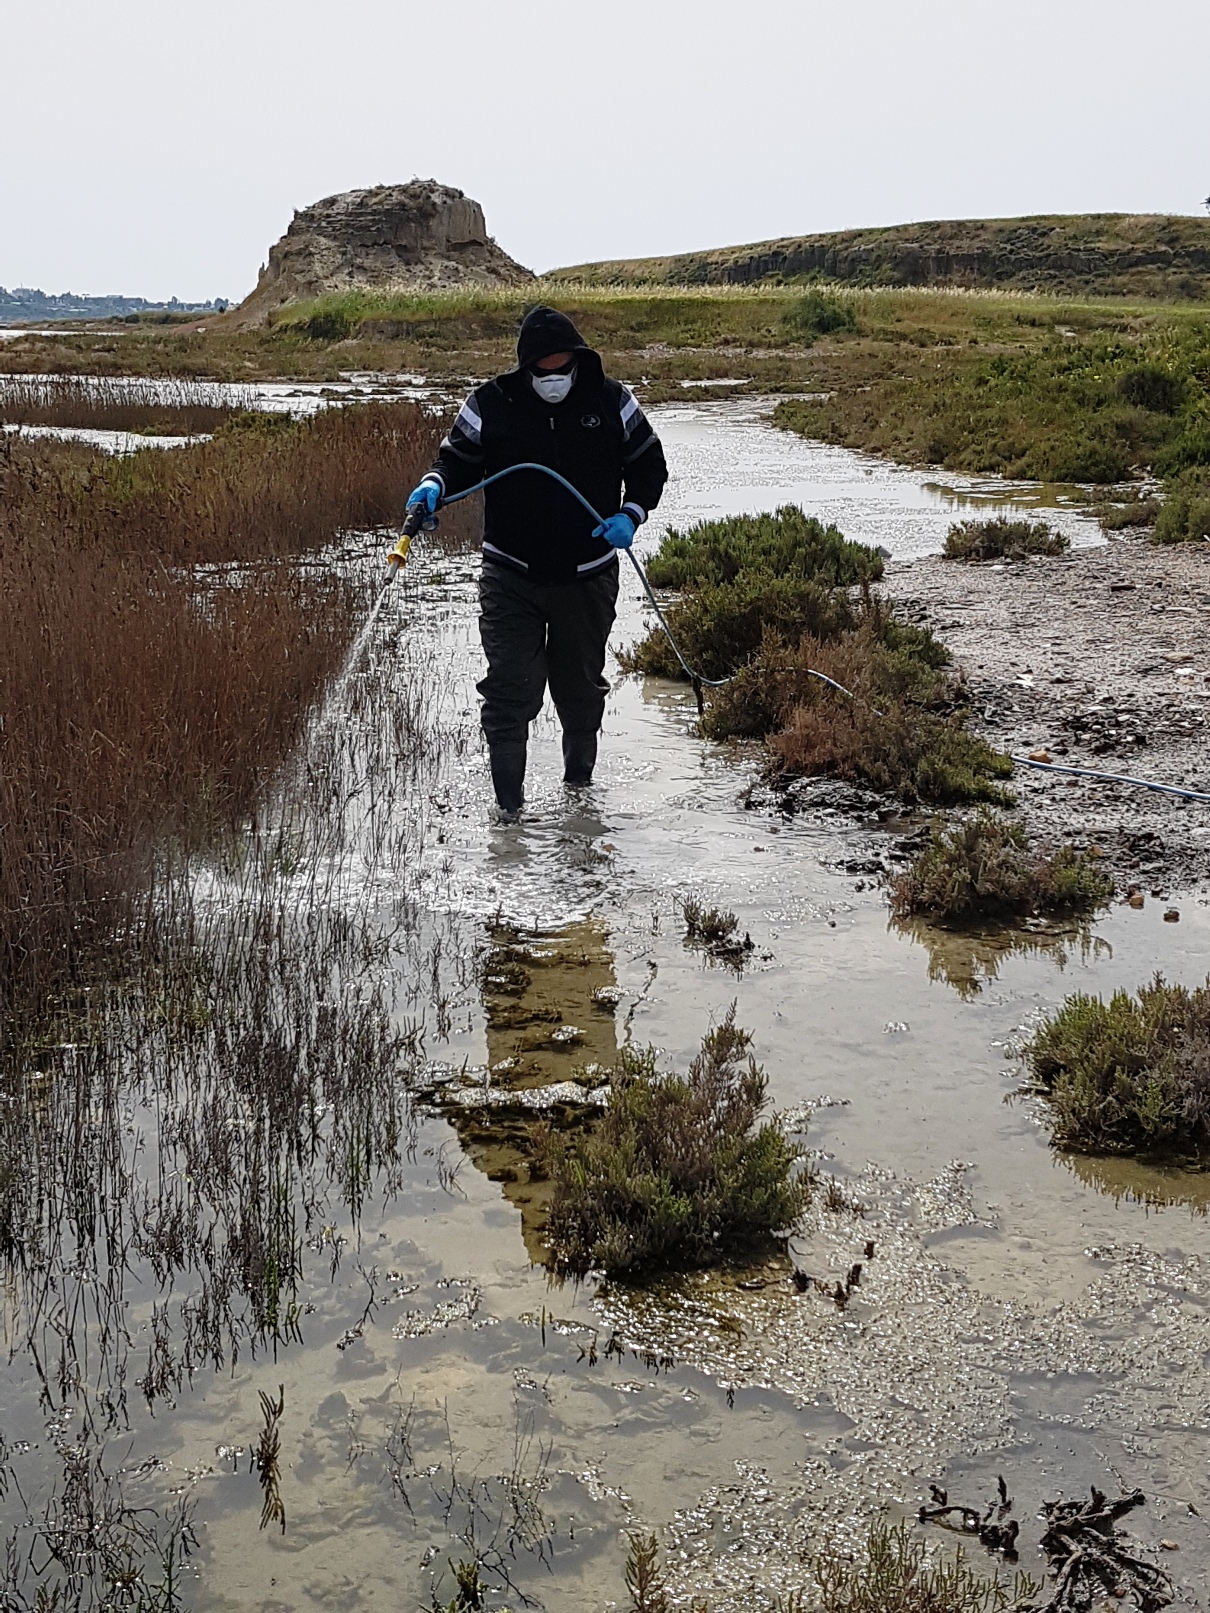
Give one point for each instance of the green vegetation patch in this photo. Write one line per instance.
(615, 318)
(1091, 397)
(819, 313)
(1184, 516)
(680, 1172)
(786, 543)
(1131, 1076)
(983, 867)
(772, 602)
(1002, 539)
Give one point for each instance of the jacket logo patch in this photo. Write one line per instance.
(590, 420)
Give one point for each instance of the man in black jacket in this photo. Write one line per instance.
(549, 583)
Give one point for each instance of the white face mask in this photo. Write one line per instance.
(553, 388)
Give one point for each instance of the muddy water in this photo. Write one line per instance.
(1019, 1314)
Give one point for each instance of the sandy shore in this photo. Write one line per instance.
(1102, 660)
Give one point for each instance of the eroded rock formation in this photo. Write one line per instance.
(417, 237)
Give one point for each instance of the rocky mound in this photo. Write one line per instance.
(413, 237)
(1107, 254)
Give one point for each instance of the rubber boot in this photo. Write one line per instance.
(579, 758)
(508, 776)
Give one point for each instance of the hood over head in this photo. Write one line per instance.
(545, 331)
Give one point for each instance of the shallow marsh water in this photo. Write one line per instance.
(1021, 1313)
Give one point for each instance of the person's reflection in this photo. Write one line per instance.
(548, 1002)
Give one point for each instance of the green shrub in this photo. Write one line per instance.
(1086, 459)
(1184, 516)
(1131, 1076)
(722, 625)
(1000, 538)
(677, 1173)
(1148, 387)
(1191, 448)
(786, 543)
(767, 603)
(1135, 511)
(819, 313)
(984, 867)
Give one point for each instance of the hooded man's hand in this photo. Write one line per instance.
(428, 494)
(618, 530)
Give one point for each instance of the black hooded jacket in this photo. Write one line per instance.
(598, 438)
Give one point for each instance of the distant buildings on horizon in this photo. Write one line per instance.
(25, 306)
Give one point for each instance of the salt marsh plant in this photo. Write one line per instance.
(177, 693)
(999, 538)
(897, 1573)
(164, 408)
(679, 1172)
(819, 313)
(1184, 516)
(770, 602)
(984, 867)
(1131, 1076)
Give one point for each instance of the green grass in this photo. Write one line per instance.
(1131, 1076)
(768, 602)
(679, 1173)
(610, 318)
(1000, 538)
(983, 867)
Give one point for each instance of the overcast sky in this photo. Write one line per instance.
(158, 147)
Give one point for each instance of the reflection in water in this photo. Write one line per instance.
(548, 998)
(1134, 1182)
(967, 959)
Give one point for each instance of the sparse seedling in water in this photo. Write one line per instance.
(714, 930)
(898, 1574)
(266, 1459)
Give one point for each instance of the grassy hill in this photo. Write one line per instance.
(1105, 254)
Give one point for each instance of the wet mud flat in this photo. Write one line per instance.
(1102, 660)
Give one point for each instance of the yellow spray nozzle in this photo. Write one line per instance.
(398, 556)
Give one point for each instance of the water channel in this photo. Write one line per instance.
(1022, 1314)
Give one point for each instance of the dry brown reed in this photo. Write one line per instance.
(265, 486)
(169, 407)
(139, 702)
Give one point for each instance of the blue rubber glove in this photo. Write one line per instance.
(618, 530)
(428, 494)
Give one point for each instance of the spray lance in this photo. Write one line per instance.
(416, 520)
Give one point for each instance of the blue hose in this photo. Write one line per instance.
(699, 683)
(1111, 778)
(695, 678)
